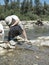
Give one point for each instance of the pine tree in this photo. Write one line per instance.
(37, 7)
(18, 5)
(6, 3)
(31, 4)
(45, 8)
(27, 6)
(23, 6)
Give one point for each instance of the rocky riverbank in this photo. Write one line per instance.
(36, 52)
(40, 41)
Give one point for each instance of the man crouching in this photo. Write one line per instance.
(16, 27)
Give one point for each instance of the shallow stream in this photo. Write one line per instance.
(22, 56)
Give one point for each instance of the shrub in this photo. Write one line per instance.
(32, 16)
(2, 16)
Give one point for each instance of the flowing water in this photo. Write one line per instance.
(22, 56)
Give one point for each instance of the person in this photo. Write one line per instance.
(1, 32)
(39, 22)
(16, 27)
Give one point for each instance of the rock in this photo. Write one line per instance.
(10, 46)
(11, 42)
(43, 37)
(1, 38)
(19, 38)
(32, 42)
(37, 57)
(45, 43)
(4, 45)
(46, 38)
(1, 48)
(38, 42)
(2, 51)
(35, 64)
(9, 50)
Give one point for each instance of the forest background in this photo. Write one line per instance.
(25, 10)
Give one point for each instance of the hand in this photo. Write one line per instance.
(11, 26)
(27, 40)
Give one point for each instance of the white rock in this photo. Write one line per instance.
(12, 42)
(1, 48)
(19, 38)
(38, 41)
(32, 41)
(46, 43)
(3, 45)
(37, 57)
(2, 51)
(35, 64)
(43, 38)
(47, 38)
(10, 46)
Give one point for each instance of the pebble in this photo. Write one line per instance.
(35, 64)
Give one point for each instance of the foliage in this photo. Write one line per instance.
(25, 10)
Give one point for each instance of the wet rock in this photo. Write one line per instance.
(35, 64)
(10, 54)
(1, 48)
(37, 57)
(12, 42)
(19, 38)
(1, 38)
(11, 46)
(43, 38)
(9, 50)
(45, 43)
(4, 45)
(2, 51)
(35, 42)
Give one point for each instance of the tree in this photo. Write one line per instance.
(45, 8)
(18, 4)
(23, 6)
(6, 3)
(31, 5)
(10, 1)
(37, 7)
(45, 5)
(12, 4)
(27, 6)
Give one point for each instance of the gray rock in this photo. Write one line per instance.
(12, 42)
(3, 45)
(10, 46)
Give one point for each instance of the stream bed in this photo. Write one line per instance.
(25, 56)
